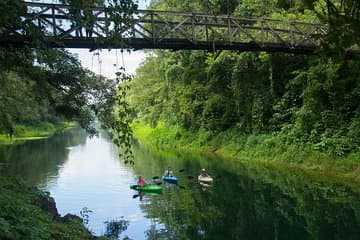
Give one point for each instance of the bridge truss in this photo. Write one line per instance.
(166, 30)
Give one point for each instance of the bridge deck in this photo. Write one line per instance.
(95, 28)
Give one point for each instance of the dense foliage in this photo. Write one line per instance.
(343, 19)
(306, 101)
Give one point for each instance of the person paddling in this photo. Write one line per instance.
(204, 173)
(141, 182)
(168, 172)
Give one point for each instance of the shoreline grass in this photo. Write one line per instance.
(23, 133)
(263, 150)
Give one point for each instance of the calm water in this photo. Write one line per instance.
(243, 203)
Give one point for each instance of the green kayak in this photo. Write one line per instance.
(147, 188)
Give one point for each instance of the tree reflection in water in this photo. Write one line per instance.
(246, 202)
(115, 227)
(162, 233)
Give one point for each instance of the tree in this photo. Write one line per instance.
(343, 19)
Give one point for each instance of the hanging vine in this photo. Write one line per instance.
(121, 132)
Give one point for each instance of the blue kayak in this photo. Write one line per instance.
(170, 179)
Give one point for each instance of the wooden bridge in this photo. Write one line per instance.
(93, 28)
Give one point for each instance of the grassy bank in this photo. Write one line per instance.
(25, 133)
(268, 150)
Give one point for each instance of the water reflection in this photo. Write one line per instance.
(38, 161)
(246, 203)
(242, 203)
(115, 227)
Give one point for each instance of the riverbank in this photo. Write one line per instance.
(28, 213)
(265, 150)
(23, 133)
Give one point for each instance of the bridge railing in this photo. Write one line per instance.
(62, 22)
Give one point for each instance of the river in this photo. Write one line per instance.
(86, 176)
